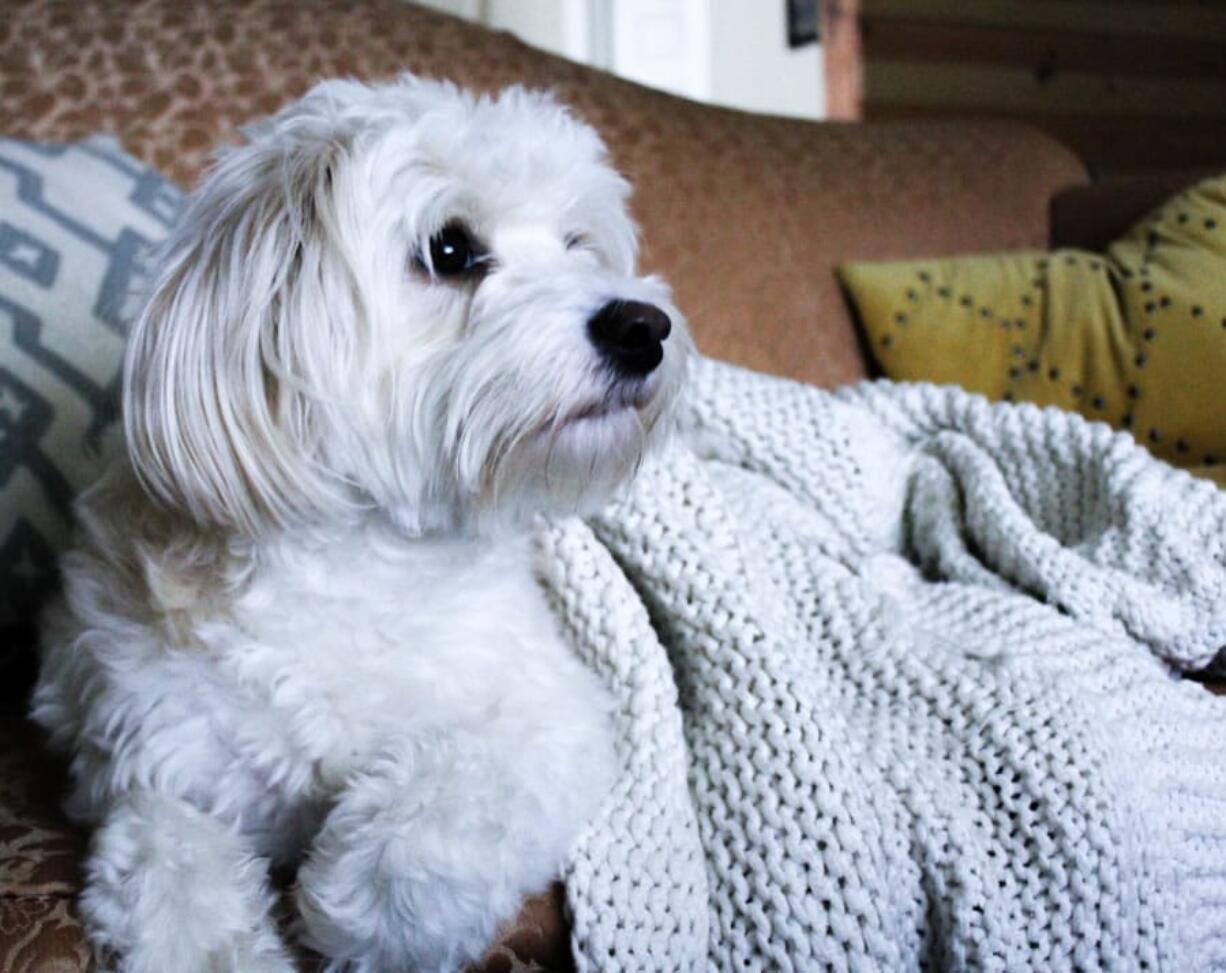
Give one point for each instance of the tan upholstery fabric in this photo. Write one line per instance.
(42, 934)
(40, 852)
(745, 215)
(40, 857)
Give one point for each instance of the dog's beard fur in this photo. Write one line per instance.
(505, 443)
(300, 361)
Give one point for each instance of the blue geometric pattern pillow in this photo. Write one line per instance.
(76, 225)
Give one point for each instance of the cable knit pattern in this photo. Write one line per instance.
(898, 674)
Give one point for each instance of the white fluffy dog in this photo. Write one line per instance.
(302, 624)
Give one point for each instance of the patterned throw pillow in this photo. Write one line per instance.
(76, 225)
(1135, 337)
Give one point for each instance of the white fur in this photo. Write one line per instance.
(301, 623)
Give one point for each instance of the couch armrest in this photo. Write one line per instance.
(750, 215)
(746, 215)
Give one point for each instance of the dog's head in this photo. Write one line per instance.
(406, 298)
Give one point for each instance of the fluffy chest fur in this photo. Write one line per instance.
(347, 638)
(259, 697)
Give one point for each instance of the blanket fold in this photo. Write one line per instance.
(896, 681)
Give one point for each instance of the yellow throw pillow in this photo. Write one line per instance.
(1136, 338)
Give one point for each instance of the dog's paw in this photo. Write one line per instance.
(398, 877)
(168, 888)
(360, 927)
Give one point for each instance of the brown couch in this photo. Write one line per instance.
(746, 215)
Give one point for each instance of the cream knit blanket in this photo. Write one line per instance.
(897, 676)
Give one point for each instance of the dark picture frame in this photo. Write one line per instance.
(802, 22)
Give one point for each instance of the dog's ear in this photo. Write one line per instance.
(232, 368)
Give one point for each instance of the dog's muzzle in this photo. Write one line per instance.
(630, 336)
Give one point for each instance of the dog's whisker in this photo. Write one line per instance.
(640, 452)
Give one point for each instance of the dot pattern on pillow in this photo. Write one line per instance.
(76, 224)
(1135, 337)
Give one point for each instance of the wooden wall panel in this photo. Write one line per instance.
(1130, 84)
(1151, 19)
(842, 58)
(1044, 51)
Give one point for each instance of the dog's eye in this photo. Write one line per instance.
(452, 251)
(574, 241)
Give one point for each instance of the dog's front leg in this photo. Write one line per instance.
(428, 848)
(169, 888)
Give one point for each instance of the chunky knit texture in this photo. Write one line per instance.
(898, 685)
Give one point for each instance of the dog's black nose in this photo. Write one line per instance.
(630, 335)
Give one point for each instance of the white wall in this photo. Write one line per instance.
(662, 44)
(560, 26)
(752, 66)
(728, 52)
(461, 8)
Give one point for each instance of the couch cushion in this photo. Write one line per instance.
(42, 934)
(40, 852)
(76, 222)
(1136, 337)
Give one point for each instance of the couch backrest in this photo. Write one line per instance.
(746, 215)
(1092, 217)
